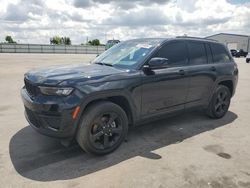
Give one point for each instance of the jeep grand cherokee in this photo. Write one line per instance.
(135, 81)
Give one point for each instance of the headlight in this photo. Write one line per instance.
(56, 91)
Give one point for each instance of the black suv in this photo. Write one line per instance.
(233, 52)
(240, 53)
(135, 81)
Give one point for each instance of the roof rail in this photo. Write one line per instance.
(195, 38)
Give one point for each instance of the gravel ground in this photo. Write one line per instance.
(189, 150)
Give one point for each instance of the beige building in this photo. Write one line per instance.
(233, 41)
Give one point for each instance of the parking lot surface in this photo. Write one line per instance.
(189, 150)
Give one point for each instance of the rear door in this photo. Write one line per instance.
(221, 60)
(201, 73)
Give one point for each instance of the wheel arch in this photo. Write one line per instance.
(117, 98)
(227, 81)
(228, 84)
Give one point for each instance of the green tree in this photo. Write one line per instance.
(60, 40)
(55, 40)
(95, 42)
(9, 39)
(66, 41)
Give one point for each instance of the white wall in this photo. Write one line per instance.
(241, 41)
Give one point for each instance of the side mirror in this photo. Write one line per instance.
(158, 63)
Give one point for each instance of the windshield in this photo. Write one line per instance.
(127, 54)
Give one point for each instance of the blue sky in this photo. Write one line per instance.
(238, 1)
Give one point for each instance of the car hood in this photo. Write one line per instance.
(57, 74)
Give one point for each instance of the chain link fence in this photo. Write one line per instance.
(57, 49)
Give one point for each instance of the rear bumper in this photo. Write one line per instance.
(50, 116)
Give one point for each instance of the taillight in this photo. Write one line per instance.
(236, 71)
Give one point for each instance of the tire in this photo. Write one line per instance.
(219, 103)
(103, 128)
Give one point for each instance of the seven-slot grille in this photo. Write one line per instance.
(32, 89)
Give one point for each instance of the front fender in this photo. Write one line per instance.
(107, 94)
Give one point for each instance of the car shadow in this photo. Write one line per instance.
(41, 158)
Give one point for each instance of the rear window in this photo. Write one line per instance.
(220, 54)
(197, 53)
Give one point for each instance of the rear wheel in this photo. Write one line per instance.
(103, 128)
(220, 102)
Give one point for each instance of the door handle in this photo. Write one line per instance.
(181, 72)
(213, 68)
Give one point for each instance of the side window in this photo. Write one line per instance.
(209, 53)
(175, 52)
(197, 53)
(220, 54)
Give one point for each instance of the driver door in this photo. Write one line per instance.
(165, 89)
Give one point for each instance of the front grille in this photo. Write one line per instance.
(32, 89)
(33, 118)
(43, 121)
(53, 121)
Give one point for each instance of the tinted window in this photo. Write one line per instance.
(175, 52)
(197, 53)
(219, 53)
(209, 53)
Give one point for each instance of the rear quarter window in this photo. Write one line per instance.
(219, 53)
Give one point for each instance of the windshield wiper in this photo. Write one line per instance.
(101, 63)
(107, 64)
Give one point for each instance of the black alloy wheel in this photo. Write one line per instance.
(106, 131)
(220, 102)
(103, 128)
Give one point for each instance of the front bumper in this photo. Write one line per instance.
(50, 115)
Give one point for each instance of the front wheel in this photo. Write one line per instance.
(103, 128)
(219, 103)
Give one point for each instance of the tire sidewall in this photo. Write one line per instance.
(83, 134)
(214, 98)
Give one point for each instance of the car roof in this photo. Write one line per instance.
(181, 38)
(113, 41)
(148, 39)
(196, 39)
